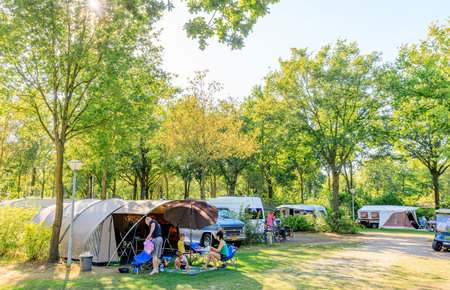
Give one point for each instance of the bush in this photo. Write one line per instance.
(13, 222)
(252, 232)
(36, 241)
(342, 225)
(303, 223)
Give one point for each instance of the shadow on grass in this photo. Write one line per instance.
(218, 279)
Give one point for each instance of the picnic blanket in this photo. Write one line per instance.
(192, 271)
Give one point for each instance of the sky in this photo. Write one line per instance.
(382, 25)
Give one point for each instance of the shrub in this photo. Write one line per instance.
(342, 225)
(252, 232)
(13, 222)
(300, 222)
(36, 241)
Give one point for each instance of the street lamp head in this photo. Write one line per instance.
(352, 191)
(75, 165)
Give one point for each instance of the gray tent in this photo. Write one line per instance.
(99, 225)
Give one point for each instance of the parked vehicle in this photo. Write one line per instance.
(253, 205)
(293, 209)
(233, 230)
(388, 216)
(442, 236)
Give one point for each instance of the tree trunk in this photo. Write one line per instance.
(33, 181)
(104, 183)
(59, 191)
(301, 187)
(202, 186)
(43, 183)
(214, 190)
(92, 186)
(114, 188)
(233, 181)
(143, 186)
(335, 173)
(436, 189)
(166, 180)
(186, 189)
(270, 187)
(135, 183)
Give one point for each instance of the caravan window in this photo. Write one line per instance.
(363, 214)
(374, 214)
(256, 213)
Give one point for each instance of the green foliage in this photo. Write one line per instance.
(36, 241)
(342, 224)
(305, 223)
(252, 233)
(13, 221)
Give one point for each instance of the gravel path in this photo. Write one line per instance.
(413, 244)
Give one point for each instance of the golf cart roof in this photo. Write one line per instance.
(443, 211)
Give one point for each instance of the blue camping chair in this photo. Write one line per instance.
(231, 259)
(144, 261)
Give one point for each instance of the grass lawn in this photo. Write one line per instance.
(283, 266)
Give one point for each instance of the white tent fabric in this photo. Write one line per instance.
(94, 224)
(385, 212)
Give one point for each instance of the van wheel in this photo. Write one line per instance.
(437, 246)
(207, 240)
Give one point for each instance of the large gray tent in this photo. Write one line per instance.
(99, 225)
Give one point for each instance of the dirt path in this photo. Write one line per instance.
(413, 244)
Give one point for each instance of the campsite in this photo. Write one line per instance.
(375, 259)
(224, 144)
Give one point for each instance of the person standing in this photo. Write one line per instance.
(155, 234)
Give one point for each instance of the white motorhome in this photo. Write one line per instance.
(253, 205)
(293, 209)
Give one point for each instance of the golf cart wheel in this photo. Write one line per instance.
(207, 240)
(437, 246)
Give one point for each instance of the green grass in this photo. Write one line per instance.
(281, 266)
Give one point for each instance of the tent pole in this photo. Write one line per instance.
(124, 239)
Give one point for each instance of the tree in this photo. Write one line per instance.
(201, 132)
(420, 84)
(74, 62)
(331, 96)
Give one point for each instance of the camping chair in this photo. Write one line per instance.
(144, 261)
(196, 252)
(231, 259)
(422, 224)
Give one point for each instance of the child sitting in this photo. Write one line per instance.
(181, 262)
(181, 244)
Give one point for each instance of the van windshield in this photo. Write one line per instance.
(224, 213)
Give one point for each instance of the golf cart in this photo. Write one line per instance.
(442, 237)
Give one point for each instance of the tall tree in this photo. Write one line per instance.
(333, 98)
(420, 87)
(200, 131)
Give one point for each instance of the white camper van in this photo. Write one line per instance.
(253, 206)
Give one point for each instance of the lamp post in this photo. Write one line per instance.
(352, 191)
(75, 165)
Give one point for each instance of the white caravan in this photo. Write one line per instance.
(253, 205)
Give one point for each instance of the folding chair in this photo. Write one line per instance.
(231, 259)
(422, 224)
